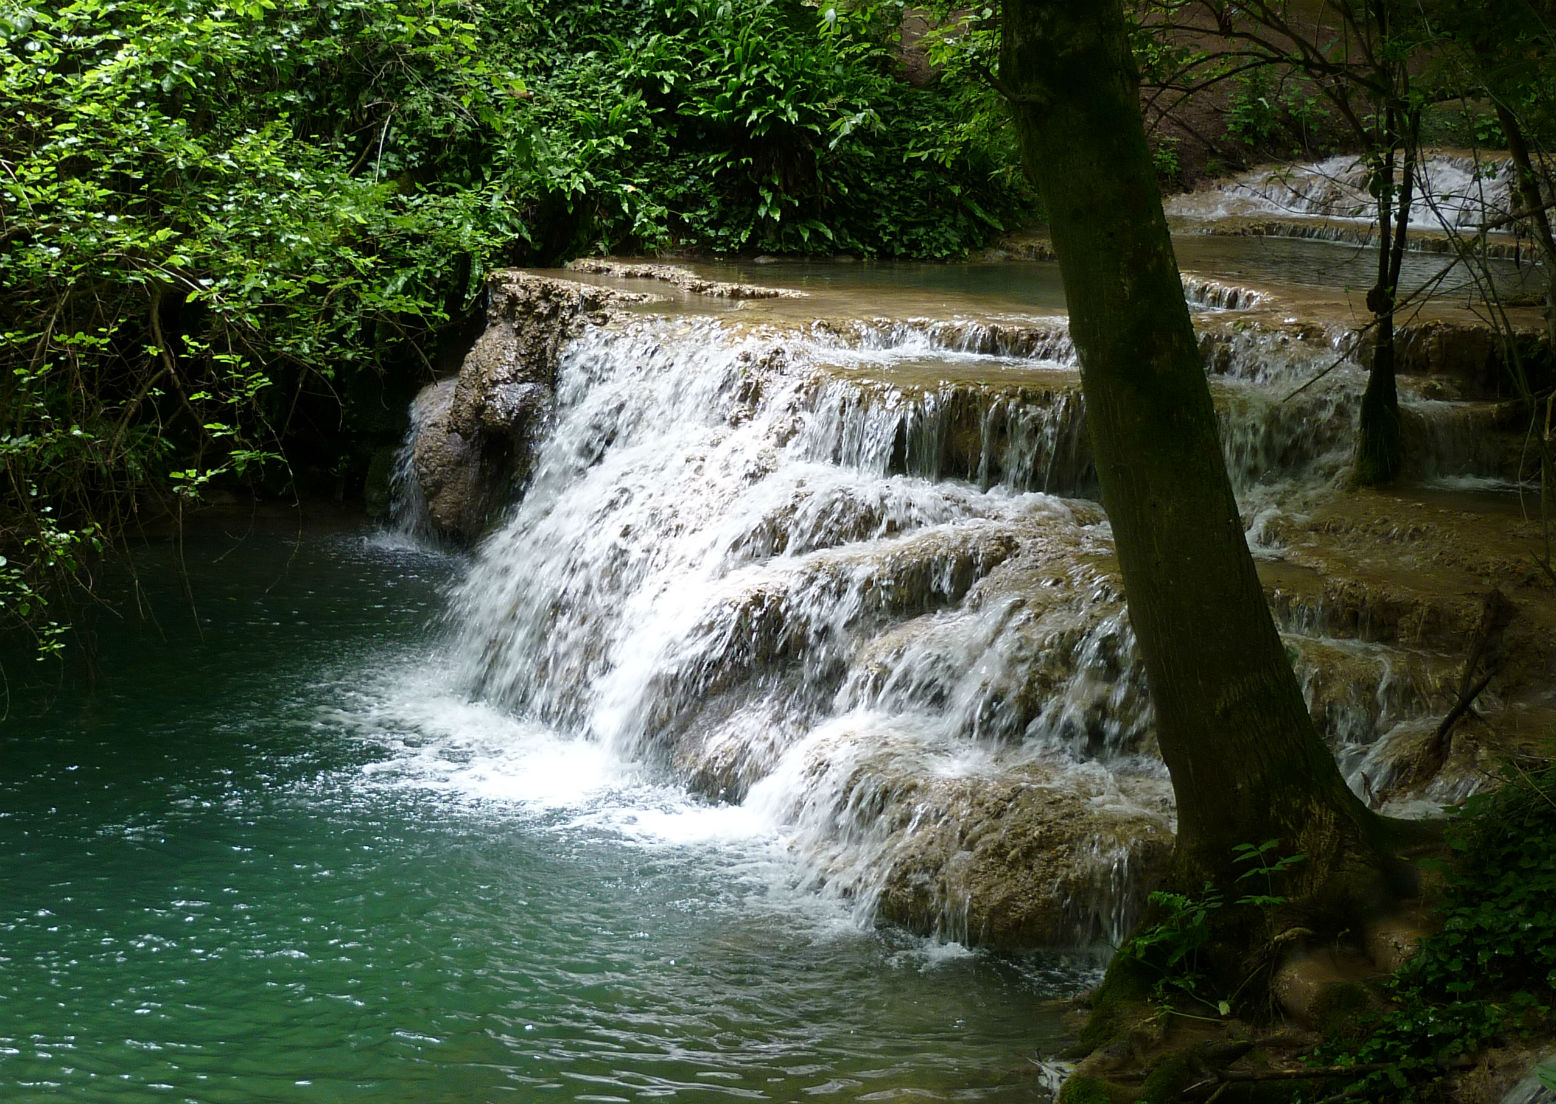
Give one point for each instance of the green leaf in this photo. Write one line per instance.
(1545, 1073)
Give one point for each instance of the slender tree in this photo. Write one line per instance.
(1246, 762)
(1357, 55)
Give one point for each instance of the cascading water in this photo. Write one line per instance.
(819, 572)
(407, 504)
(1456, 190)
(737, 561)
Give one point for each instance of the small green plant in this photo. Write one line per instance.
(1490, 971)
(1252, 115)
(1261, 113)
(1263, 863)
(1170, 947)
(1545, 1073)
(1165, 156)
(1487, 130)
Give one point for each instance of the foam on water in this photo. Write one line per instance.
(1478, 484)
(477, 757)
(804, 575)
(473, 753)
(1456, 191)
(719, 578)
(289, 862)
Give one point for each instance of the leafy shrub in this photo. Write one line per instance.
(1490, 971)
(755, 125)
(207, 217)
(218, 218)
(1169, 949)
(1499, 917)
(1261, 113)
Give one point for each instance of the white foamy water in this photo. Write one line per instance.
(1455, 191)
(476, 754)
(821, 580)
(473, 756)
(728, 574)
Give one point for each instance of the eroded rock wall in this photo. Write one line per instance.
(475, 445)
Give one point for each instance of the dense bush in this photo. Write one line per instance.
(751, 125)
(217, 216)
(1489, 973)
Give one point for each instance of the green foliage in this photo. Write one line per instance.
(1169, 948)
(974, 127)
(1263, 115)
(1162, 58)
(1546, 1074)
(1498, 51)
(217, 218)
(1487, 131)
(753, 125)
(1499, 919)
(1490, 972)
(200, 204)
(1165, 157)
(1250, 116)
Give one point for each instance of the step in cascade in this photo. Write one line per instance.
(851, 572)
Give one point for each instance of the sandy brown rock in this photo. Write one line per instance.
(1021, 860)
(679, 277)
(478, 432)
(1320, 988)
(447, 465)
(1394, 939)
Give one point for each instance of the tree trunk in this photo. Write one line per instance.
(1379, 449)
(1246, 762)
(1532, 198)
(1533, 204)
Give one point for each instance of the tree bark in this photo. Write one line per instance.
(1379, 449)
(1246, 763)
(1533, 203)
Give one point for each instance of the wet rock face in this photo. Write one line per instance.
(1464, 360)
(1383, 597)
(476, 440)
(446, 465)
(1021, 860)
(679, 277)
(817, 569)
(973, 821)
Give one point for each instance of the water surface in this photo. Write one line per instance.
(268, 856)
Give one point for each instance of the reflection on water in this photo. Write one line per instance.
(1302, 269)
(287, 864)
(987, 287)
(1338, 267)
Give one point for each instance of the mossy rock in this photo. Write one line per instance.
(1087, 1090)
(1119, 1005)
(1338, 1010)
(1167, 1080)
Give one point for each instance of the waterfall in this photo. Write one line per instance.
(1453, 190)
(744, 559)
(847, 575)
(408, 515)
